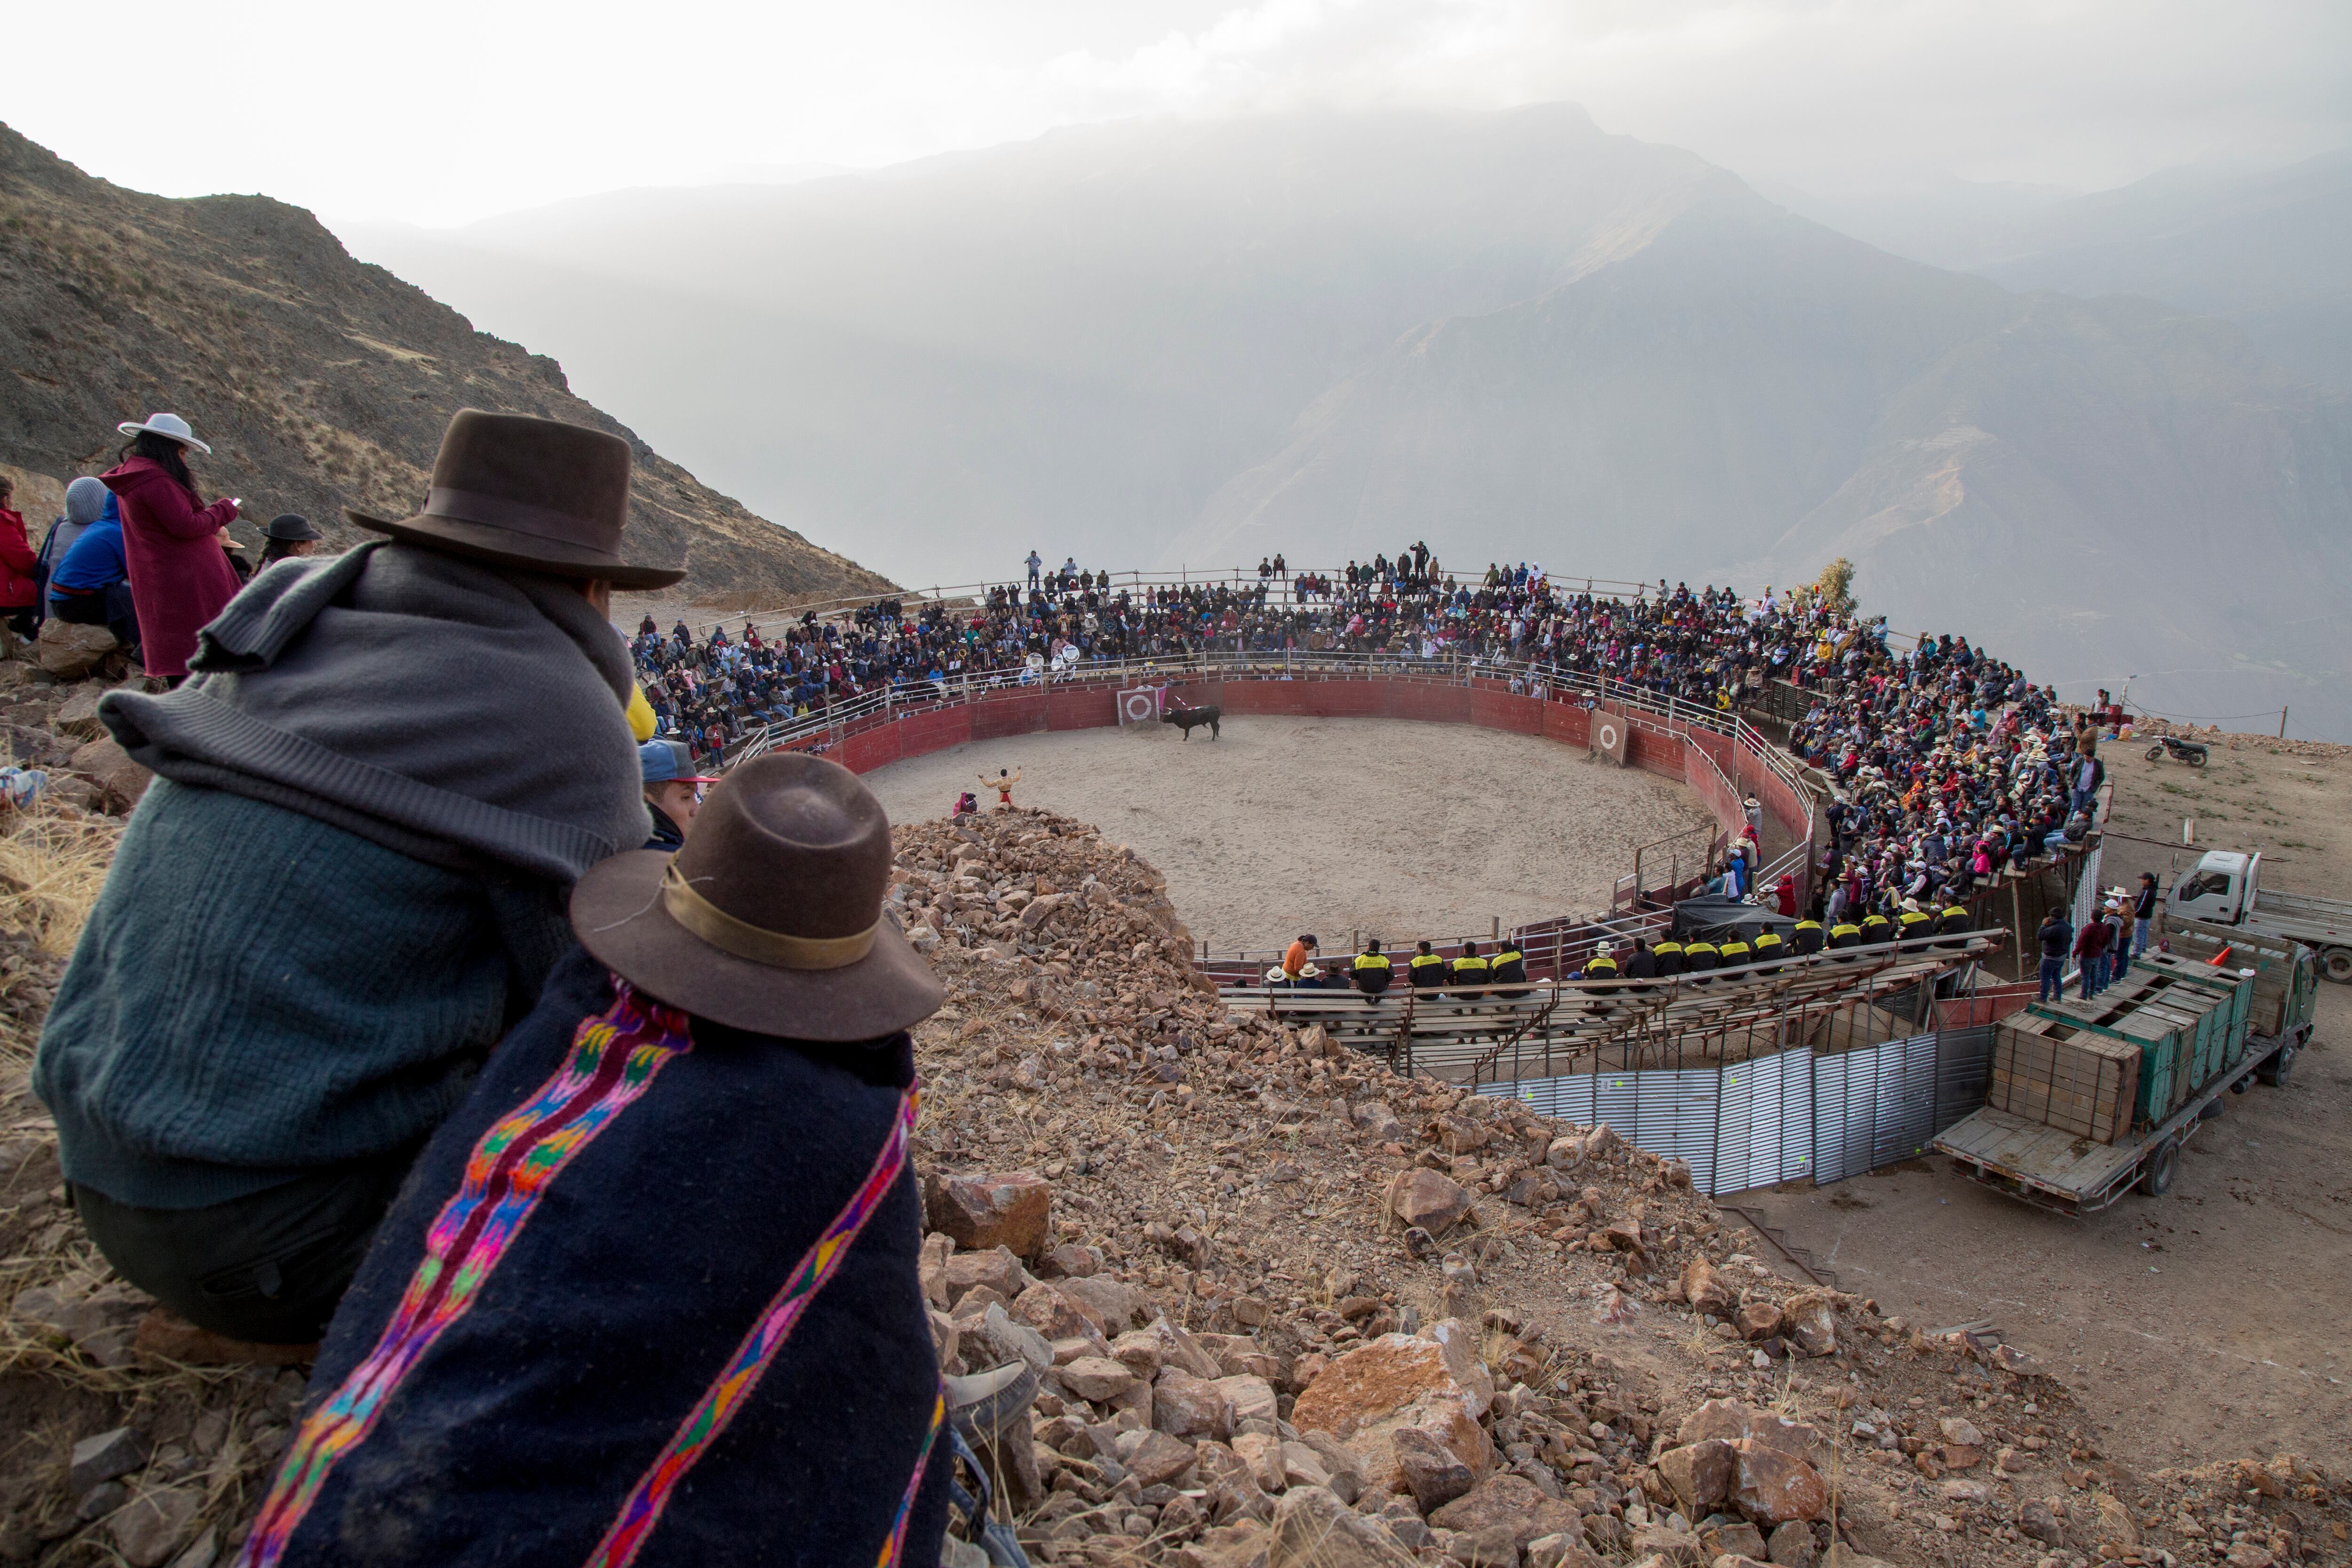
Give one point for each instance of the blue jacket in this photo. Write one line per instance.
(682, 1171)
(95, 561)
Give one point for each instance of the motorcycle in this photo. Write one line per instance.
(2192, 752)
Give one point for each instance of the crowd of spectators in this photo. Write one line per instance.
(1946, 765)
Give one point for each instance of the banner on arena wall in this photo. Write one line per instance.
(1141, 704)
(1612, 737)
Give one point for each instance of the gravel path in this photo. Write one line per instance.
(1331, 825)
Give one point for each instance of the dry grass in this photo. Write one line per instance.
(53, 863)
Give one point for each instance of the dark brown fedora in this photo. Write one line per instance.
(770, 918)
(536, 494)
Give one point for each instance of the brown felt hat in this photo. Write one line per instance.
(769, 918)
(536, 494)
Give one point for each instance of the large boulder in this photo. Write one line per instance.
(1699, 1475)
(1731, 1421)
(77, 716)
(1422, 1198)
(1184, 1405)
(1810, 1321)
(1012, 1210)
(71, 652)
(1508, 1505)
(119, 780)
(996, 1268)
(1435, 1382)
(1771, 1486)
(1705, 1289)
(1313, 1529)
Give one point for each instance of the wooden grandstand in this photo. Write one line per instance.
(1546, 1028)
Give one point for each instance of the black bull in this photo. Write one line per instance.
(1190, 718)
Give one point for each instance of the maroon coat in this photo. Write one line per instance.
(179, 577)
(18, 588)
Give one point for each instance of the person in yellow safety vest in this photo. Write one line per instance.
(1808, 938)
(1507, 967)
(1427, 970)
(1732, 951)
(1601, 966)
(1373, 971)
(1915, 923)
(1954, 925)
(1700, 955)
(1845, 934)
(1670, 959)
(1768, 946)
(1469, 970)
(1876, 929)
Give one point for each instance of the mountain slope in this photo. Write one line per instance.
(1510, 335)
(1071, 343)
(2100, 489)
(2271, 252)
(320, 382)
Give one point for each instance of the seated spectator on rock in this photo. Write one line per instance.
(561, 1310)
(347, 877)
(291, 537)
(20, 586)
(89, 585)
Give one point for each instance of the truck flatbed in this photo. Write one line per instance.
(2068, 1175)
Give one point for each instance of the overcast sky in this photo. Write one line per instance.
(439, 112)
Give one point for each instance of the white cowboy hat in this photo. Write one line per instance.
(1308, 972)
(1273, 975)
(171, 426)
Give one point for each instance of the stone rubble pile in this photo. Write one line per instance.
(1286, 1307)
(1290, 1309)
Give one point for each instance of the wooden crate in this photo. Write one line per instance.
(2068, 1078)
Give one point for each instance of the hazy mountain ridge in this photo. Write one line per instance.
(320, 383)
(1511, 335)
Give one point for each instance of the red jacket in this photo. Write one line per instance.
(18, 588)
(179, 577)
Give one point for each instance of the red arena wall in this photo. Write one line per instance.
(877, 742)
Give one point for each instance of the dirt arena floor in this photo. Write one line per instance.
(1383, 826)
(2212, 1320)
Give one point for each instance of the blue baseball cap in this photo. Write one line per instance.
(668, 761)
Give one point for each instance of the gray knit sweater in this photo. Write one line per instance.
(349, 877)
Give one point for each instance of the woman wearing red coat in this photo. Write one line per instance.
(20, 589)
(170, 542)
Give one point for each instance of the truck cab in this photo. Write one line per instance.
(2216, 890)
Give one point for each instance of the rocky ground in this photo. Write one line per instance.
(1287, 1309)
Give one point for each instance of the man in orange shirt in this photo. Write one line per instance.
(1295, 959)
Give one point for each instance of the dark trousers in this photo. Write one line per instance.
(110, 607)
(2053, 979)
(267, 1268)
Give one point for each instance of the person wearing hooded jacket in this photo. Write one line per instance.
(89, 583)
(20, 584)
(180, 576)
(86, 501)
(348, 876)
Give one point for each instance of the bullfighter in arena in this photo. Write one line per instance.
(1003, 784)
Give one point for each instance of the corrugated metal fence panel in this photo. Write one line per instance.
(1782, 1118)
(1905, 1118)
(1963, 1071)
(1569, 1099)
(1765, 1128)
(1845, 1099)
(1675, 1117)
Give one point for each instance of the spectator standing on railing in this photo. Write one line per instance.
(2056, 939)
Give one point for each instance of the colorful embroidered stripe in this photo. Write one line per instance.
(719, 1403)
(613, 1060)
(894, 1551)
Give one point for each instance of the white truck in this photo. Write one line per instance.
(2222, 889)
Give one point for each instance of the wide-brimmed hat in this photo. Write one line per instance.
(292, 526)
(536, 494)
(171, 426)
(770, 917)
